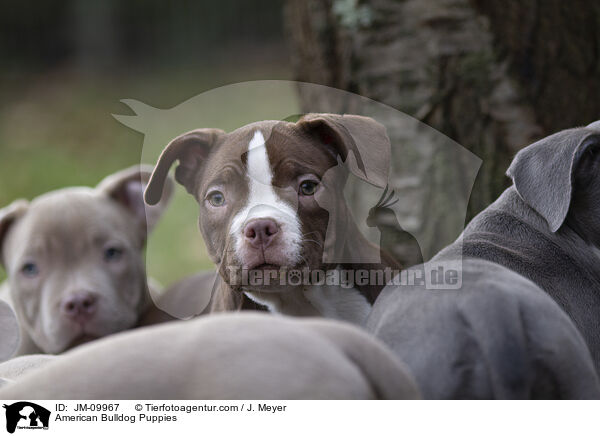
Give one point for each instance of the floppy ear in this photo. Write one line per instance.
(126, 187)
(543, 173)
(362, 137)
(8, 216)
(191, 149)
(9, 331)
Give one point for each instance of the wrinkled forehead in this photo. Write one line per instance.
(69, 220)
(269, 151)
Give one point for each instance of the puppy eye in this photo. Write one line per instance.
(216, 198)
(308, 187)
(113, 254)
(30, 270)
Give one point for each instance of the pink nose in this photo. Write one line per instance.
(79, 306)
(260, 233)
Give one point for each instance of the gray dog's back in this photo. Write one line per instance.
(509, 233)
(498, 337)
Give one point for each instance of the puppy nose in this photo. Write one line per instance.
(260, 233)
(79, 306)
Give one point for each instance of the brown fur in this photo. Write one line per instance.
(323, 145)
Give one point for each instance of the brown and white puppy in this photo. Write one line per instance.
(74, 259)
(223, 357)
(271, 199)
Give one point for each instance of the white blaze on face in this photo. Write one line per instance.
(263, 202)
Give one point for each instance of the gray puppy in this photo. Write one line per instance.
(188, 297)
(9, 335)
(74, 259)
(497, 337)
(224, 357)
(547, 225)
(17, 367)
(9, 331)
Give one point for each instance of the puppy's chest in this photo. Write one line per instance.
(329, 301)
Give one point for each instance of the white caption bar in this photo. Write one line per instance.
(299, 417)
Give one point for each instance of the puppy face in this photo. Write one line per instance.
(268, 191)
(258, 202)
(74, 262)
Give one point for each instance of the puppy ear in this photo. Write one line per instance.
(362, 137)
(127, 188)
(191, 149)
(9, 332)
(8, 216)
(543, 173)
(595, 125)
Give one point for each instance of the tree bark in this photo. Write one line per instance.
(493, 76)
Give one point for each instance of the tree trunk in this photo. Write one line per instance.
(493, 76)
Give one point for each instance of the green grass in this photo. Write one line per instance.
(57, 130)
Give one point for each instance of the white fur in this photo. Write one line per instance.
(263, 202)
(329, 301)
(339, 303)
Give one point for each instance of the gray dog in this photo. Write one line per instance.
(74, 259)
(500, 335)
(220, 357)
(547, 225)
(497, 337)
(9, 331)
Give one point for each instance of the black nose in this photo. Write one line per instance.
(79, 306)
(260, 233)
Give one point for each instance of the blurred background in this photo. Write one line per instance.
(491, 75)
(65, 65)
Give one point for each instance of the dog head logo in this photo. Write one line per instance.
(26, 415)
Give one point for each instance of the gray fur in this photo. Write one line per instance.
(498, 337)
(547, 225)
(543, 172)
(17, 367)
(221, 357)
(64, 233)
(9, 331)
